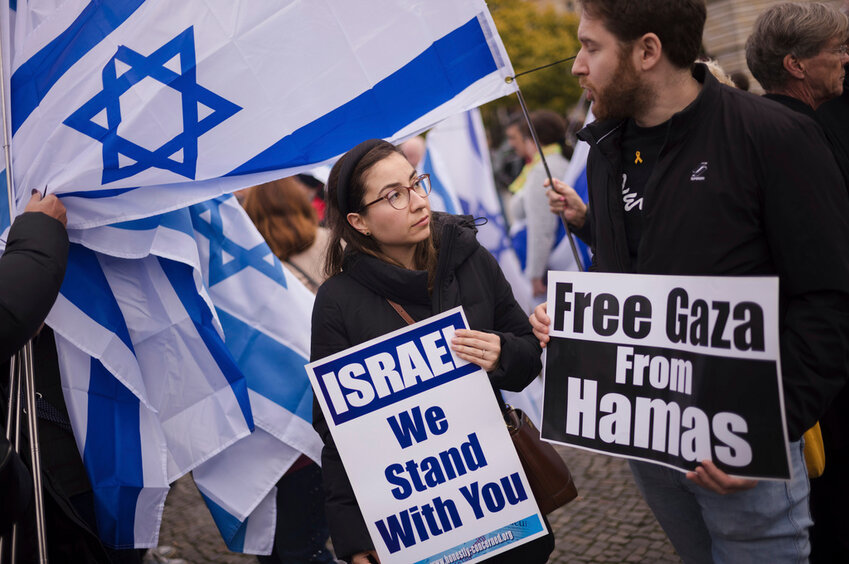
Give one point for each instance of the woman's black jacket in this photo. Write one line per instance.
(351, 308)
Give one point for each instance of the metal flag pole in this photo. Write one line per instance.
(548, 173)
(25, 372)
(11, 436)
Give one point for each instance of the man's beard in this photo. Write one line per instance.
(626, 95)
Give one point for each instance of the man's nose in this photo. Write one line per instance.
(579, 66)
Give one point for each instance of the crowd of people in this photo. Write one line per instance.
(770, 198)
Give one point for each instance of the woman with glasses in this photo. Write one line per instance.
(397, 249)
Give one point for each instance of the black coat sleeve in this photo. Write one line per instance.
(520, 351)
(31, 273)
(806, 219)
(347, 527)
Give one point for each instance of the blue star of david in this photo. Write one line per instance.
(219, 244)
(497, 220)
(185, 83)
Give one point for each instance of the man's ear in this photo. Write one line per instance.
(358, 223)
(793, 66)
(650, 50)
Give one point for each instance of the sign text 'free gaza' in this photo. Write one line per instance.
(425, 447)
(667, 369)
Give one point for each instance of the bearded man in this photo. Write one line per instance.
(690, 177)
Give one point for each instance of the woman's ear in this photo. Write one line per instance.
(358, 223)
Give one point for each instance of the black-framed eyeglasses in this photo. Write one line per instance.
(399, 197)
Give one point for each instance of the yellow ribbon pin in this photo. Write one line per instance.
(638, 159)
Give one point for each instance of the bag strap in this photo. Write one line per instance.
(401, 311)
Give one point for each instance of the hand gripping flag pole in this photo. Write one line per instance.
(22, 375)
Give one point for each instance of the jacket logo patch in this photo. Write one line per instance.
(698, 173)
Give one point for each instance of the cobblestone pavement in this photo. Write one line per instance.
(608, 523)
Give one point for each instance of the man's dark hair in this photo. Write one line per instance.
(678, 23)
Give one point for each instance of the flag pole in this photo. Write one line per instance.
(25, 373)
(11, 429)
(548, 173)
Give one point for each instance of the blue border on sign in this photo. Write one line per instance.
(389, 346)
(490, 542)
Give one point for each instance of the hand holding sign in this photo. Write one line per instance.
(477, 347)
(712, 478)
(540, 321)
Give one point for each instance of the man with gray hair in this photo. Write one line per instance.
(797, 51)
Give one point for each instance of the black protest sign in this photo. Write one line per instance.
(671, 370)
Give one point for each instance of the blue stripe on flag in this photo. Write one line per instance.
(182, 279)
(397, 100)
(86, 287)
(34, 79)
(271, 368)
(178, 220)
(437, 186)
(5, 218)
(582, 188)
(105, 193)
(232, 530)
(113, 457)
(473, 138)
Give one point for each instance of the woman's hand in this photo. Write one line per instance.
(483, 349)
(363, 558)
(708, 476)
(539, 323)
(564, 201)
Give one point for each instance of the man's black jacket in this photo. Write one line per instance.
(743, 187)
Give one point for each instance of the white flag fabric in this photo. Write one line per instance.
(130, 108)
(153, 389)
(457, 159)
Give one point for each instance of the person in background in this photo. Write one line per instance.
(414, 150)
(535, 231)
(283, 215)
(740, 80)
(797, 51)
(427, 263)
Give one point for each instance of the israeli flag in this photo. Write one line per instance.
(457, 159)
(576, 177)
(186, 354)
(131, 108)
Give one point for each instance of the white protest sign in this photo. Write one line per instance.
(667, 369)
(425, 447)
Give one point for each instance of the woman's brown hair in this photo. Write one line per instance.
(341, 230)
(283, 215)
